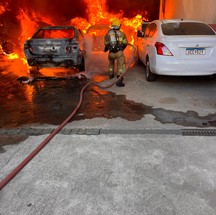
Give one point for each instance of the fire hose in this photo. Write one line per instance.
(14, 172)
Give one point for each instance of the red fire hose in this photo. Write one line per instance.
(12, 174)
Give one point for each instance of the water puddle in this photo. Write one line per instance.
(52, 101)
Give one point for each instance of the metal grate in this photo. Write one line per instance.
(198, 132)
(95, 131)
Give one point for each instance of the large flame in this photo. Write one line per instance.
(29, 24)
(2, 9)
(97, 14)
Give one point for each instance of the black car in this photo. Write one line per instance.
(55, 46)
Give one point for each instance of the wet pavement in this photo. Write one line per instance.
(11, 140)
(51, 101)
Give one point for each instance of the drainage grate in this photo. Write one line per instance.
(95, 131)
(198, 132)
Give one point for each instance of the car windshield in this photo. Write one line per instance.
(54, 33)
(186, 28)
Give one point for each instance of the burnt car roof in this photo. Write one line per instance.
(57, 27)
(76, 30)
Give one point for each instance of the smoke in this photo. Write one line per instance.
(60, 12)
(130, 8)
(9, 25)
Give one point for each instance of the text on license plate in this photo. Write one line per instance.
(195, 51)
(49, 51)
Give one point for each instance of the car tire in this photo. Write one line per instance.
(82, 65)
(149, 75)
(8, 47)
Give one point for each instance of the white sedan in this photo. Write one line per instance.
(178, 48)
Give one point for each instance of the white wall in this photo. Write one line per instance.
(203, 10)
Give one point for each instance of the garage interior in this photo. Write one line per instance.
(19, 21)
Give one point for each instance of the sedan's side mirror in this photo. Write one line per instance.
(139, 33)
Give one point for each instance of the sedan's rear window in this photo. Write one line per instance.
(186, 28)
(54, 34)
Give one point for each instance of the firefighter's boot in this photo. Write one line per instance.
(111, 76)
(120, 83)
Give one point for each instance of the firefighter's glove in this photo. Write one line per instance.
(124, 46)
(106, 48)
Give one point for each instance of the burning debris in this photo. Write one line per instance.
(30, 79)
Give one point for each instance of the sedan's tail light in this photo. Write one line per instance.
(71, 48)
(68, 49)
(75, 47)
(162, 49)
(31, 49)
(28, 46)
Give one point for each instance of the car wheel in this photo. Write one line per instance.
(8, 47)
(82, 65)
(149, 75)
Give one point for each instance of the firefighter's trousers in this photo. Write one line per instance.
(120, 58)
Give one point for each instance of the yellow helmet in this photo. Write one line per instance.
(116, 22)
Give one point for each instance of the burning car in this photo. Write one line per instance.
(55, 46)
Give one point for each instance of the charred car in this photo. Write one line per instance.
(55, 46)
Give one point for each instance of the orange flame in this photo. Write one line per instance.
(29, 24)
(97, 14)
(2, 9)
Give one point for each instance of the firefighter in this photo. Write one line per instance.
(115, 42)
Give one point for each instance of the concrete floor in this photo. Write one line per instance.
(112, 174)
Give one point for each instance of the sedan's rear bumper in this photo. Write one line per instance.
(46, 61)
(166, 65)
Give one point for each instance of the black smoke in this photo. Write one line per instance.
(60, 12)
(131, 8)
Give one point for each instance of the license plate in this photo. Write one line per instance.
(195, 51)
(49, 51)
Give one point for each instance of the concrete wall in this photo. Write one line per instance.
(203, 10)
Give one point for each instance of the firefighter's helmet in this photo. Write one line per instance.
(116, 23)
